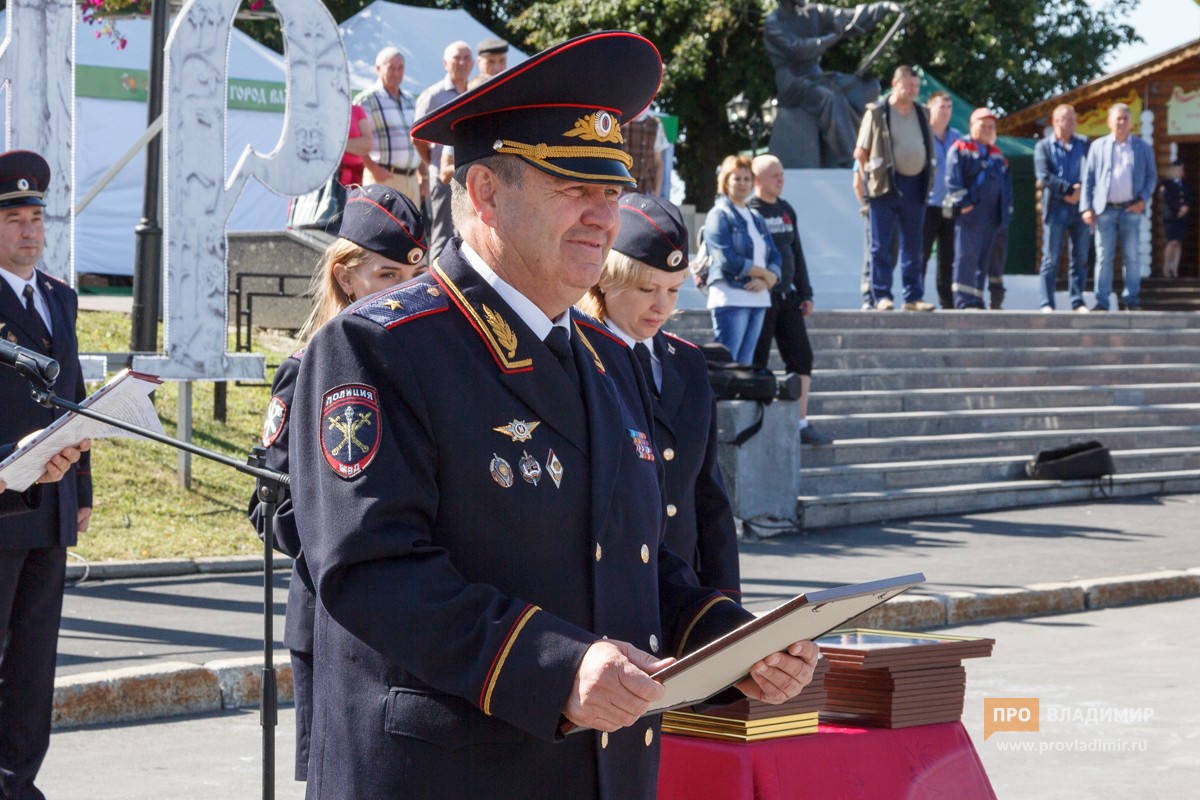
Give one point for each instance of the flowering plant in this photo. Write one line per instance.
(100, 13)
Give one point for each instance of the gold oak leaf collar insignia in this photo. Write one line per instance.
(503, 332)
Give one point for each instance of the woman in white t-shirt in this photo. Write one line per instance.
(745, 263)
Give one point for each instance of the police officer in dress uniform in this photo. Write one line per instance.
(978, 180)
(36, 312)
(636, 295)
(381, 243)
(477, 495)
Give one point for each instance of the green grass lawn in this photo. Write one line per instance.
(141, 511)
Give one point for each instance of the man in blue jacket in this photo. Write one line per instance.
(1119, 178)
(1058, 163)
(978, 180)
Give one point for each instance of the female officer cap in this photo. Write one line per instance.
(385, 221)
(652, 231)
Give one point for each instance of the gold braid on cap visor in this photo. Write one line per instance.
(539, 153)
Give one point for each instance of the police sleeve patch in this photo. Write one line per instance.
(274, 421)
(350, 428)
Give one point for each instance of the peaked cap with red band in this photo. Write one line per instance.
(561, 110)
(24, 176)
(383, 220)
(652, 231)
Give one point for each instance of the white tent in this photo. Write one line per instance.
(421, 34)
(110, 108)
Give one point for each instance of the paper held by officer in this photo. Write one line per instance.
(126, 397)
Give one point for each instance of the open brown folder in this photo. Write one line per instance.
(722, 663)
(725, 661)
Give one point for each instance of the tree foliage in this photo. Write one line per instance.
(1008, 54)
(711, 49)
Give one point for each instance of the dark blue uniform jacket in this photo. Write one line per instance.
(473, 525)
(699, 518)
(53, 524)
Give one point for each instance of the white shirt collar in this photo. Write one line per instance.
(521, 305)
(18, 283)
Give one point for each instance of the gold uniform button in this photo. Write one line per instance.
(671, 510)
(669, 454)
(597, 551)
(604, 740)
(653, 643)
(645, 554)
(649, 736)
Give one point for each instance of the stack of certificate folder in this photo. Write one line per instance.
(889, 679)
(753, 720)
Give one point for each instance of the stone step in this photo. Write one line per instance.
(915, 400)
(696, 324)
(824, 342)
(1001, 420)
(991, 320)
(814, 512)
(854, 478)
(993, 444)
(999, 358)
(1080, 374)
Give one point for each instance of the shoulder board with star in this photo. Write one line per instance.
(681, 340)
(53, 281)
(402, 304)
(596, 325)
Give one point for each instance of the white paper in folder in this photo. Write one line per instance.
(126, 397)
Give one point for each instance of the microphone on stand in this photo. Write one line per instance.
(36, 367)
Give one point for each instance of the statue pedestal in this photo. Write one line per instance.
(796, 139)
(831, 232)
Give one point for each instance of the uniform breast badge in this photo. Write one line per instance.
(518, 429)
(531, 470)
(555, 468)
(273, 422)
(501, 471)
(350, 428)
(641, 443)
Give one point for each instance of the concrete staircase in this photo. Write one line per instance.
(934, 413)
(1176, 294)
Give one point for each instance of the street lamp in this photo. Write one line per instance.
(756, 125)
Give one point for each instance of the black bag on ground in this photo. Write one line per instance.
(1077, 461)
(733, 381)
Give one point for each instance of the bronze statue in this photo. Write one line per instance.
(819, 112)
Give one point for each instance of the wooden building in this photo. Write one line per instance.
(1164, 95)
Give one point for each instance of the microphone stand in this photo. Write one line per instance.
(269, 491)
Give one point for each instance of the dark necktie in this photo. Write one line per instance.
(40, 332)
(643, 356)
(560, 344)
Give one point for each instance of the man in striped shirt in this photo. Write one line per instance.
(390, 113)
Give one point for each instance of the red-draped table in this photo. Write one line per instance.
(926, 761)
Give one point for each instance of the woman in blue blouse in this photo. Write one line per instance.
(745, 263)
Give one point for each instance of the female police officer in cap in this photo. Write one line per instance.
(636, 295)
(381, 243)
